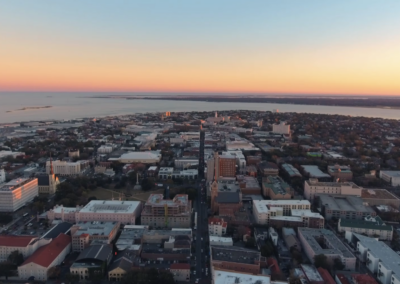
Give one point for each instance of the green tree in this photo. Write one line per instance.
(321, 260)
(146, 184)
(7, 269)
(337, 264)
(16, 258)
(71, 278)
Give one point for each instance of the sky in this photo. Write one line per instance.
(228, 46)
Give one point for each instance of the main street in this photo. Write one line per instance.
(201, 234)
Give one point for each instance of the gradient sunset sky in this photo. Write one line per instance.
(280, 46)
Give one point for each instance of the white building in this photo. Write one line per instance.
(64, 168)
(2, 176)
(371, 226)
(273, 235)
(149, 157)
(26, 245)
(46, 257)
(263, 210)
(225, 277)
(281, 128)
(185, 174)
(220, 241)
(217, 226)
(393, 177)
(104, 149)
(313, 187)
(16, 193)
(379, 258)
(125, 212)
(165, 173)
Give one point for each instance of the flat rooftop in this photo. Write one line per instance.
(229, 277)
(15, 183)
(334, 245)
(314, 171)
(377, 194)
(391, 173)
(158, 200)
(344, 203)
(110, 206)
(291, 170)
(234, 254)
(228, 185)
(263, 205)
(95, 228)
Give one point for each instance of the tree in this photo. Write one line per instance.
(16, 258)
(7, 269)
(337, 264)
(71, 278)
(146, 184)
(321, 260)
(250, 243)
(53, 272)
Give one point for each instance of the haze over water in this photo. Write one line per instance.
(79, 105)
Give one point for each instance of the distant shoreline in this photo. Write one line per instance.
(30, 108)
(385, 103)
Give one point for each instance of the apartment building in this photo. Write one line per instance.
(380, 197)
(340, 173)
(392, 177)
(226, 196)
(333, 248)
(281, 128)
(275, 188)
(83, 233)
(64, 168)
(378, 257)
(160, 212)
(286, 213)
(26, 245)
(17, 193)
(343, 207)
(217, 226)
(313, 187)
(180, 271)
(370, 226)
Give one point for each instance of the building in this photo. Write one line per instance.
(313, 172)
(186, 162)
(73, 153)
(46, 257)
(224, 277)
(60, 228)
(148, 157)
(130, 237)
(225, 196)
(240, 159)
(392, 177)
(235, 259)
(160, 212)
(370, 226)
(378, 257)
(311, 273)
(380, 197)
(17, 193)
(290, 238)
(248, 185)
(185, 174)
(340, 173)
(104, 149)
(83, 233)
(165, 173)
(124, 212)
(328, 278)
(253, 160)
(333, 248)
(161, 236)
(275, 188)
(343, 207)
(48, 183)
(225, 166)
(92, 260)
(63, 168)
(121, 265)
(268, 169)
(291, 171)
(180, 271)
(281, 128)
(313, 187)
(26, 245)
(220, 241)
(2, 176)
(217, 226)
(286, 213)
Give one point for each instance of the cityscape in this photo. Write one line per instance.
(200, 142)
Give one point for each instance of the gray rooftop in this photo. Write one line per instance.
(344, 203)
(292, 171)
(235, 254)
(96, 252)
(95, 228)
(314, 171)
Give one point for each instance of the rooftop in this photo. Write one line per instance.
(391, 173)
(364, 225)
(216, 239)
(314, 171)
(16, 241)
(15, 184)
(277, 185)
(311, 273)
(377, 194)
(263, 205)
(110, 206)
(96, 252)
(95, 228)
(235, 254)
(292, 171)
(158, 200)
(344, 203)
(229, 277)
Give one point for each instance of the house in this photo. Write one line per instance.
(120, 266)
(46, 257)
(180, 271)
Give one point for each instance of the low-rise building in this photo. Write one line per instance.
(291, 171)
(370, 226)
(220, 241)
(83, 233)
(378, 257)
(46, 257)
(226, 196)
(25, 245)
(160, 212)
(313, 187)
(121, 265)
(281, 128)
(180, 271)
(217, 226)
(333, 248)
(248, 185)
(161, 236)
(17, 193)
(221, 276)
(311, 273)
(92, 260)
(275, 188)
(268, 169)
(148, 157)
(64, 168)
(313, 172)
(340, 173)
(344, 207)
(392, 177)
(380, 197)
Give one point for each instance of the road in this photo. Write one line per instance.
(201, 234)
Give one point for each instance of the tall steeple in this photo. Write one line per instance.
(51, 165)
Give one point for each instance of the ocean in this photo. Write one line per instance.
(66, 106)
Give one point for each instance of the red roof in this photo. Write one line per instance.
(273, 265)
(343, 279)
(15, 241)
(216, 220)
(45, 255)
(326, 276)
(180, 266)
(364, 279)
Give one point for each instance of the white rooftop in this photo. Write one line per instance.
(391, 173)
(262, 204)
(217, 239)
(228, 277)
(140, 155)
(110, 206)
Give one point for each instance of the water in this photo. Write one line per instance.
(78, 105)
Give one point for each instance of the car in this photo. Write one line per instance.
(30, 225)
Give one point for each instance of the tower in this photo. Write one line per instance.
(200, 172)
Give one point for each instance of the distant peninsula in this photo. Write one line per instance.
(30, 108)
